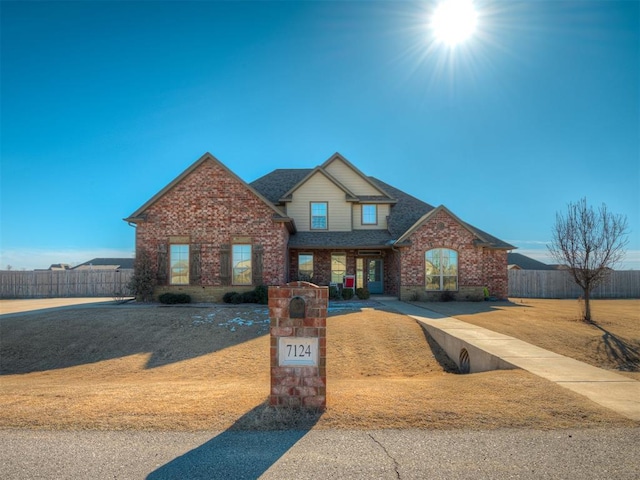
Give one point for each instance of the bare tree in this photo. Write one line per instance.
(143, 280)
(590, 243)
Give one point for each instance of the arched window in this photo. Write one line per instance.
(441, 269)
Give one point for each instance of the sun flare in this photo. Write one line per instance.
(454, 21)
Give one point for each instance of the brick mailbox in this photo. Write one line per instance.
(298, 313)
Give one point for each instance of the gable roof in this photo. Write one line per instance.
(138, 215)
(288, 195)
(107, 262)
(527, 263)
(337, 157)
(482, 238)
(279, 185)
(405, 215)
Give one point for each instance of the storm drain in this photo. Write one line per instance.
(465, 364)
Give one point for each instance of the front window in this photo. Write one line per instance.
(305, 267)
(359, 273)
(179, 260)
(241, 264)
(369, 214)
(319, 215)
(338, 267)
(441, 269)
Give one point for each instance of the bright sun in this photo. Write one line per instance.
(454, 21)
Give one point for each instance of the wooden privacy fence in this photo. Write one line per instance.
(65, 283)
(560, 284)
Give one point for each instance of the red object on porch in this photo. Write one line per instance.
(349, 282)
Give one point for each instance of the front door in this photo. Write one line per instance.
(374, 275)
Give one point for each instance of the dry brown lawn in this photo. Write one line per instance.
(612, 341)
(207, 368)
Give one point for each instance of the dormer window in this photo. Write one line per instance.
(369, 214)
(319, 216)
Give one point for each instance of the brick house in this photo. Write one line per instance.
(209, 232)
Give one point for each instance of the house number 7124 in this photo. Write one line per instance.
(299, 351)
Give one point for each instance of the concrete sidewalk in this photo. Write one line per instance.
(609, 389)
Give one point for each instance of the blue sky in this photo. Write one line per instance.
(104, 103)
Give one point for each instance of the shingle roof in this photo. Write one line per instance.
(406, 211)
(119, 262)
(353, 239)
(274, 185)
(527, 263)
(494, 242)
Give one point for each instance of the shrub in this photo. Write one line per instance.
(144, 276)
(447, 296)
(226, 298)
(173, 298)
(262, 294)
(362, 293)
(249, 297)
(347, 293)
(334, 293)
(232, 297)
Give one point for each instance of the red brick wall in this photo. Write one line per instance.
(299, 386)
(321, 264)
(322, 267)
(210, 206)
(391, 273)
(477, 266)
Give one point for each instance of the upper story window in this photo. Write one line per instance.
(319, 215)
(179, 265)
(305, 267)
(241, 265)
(441, 269)
(369, 214)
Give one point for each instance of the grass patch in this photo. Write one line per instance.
(611, 341)
(207, 368)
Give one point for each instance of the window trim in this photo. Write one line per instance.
(233, 268)
(325, 216)
(362, 216)
(173, 264)
(441, 274)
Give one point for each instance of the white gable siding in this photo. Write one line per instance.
(383, 213)
(350, 179)
(318, 188)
